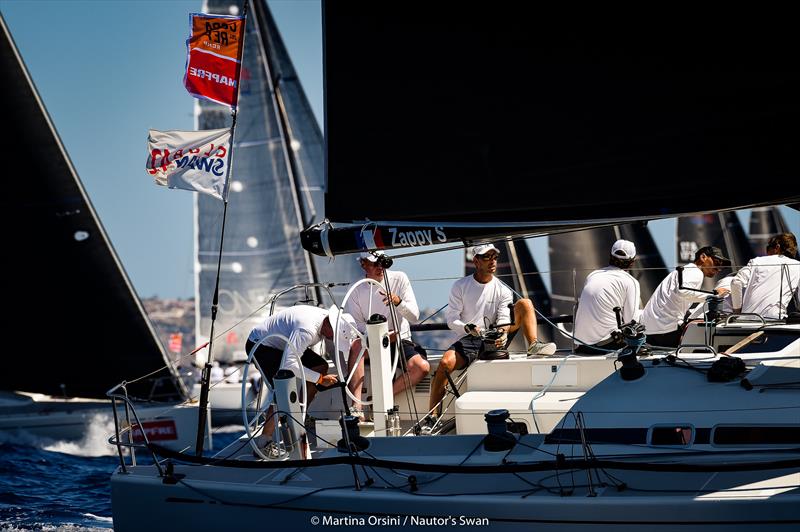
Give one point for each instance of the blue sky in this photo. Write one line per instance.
(109, 71)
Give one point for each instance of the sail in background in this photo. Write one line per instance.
(276, 189)
(764, 223)
(574, 255)
(79, 327)
(518, 270)
(721, 229)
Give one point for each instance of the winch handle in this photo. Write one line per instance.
(618, 314)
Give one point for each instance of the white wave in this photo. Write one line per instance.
(94, 442)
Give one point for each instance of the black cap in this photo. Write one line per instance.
(714, 252)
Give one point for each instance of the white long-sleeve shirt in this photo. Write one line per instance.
(768, 284)
(471, 302)
(367, 300)
(605, 289)
(301, 324)
(668, 304)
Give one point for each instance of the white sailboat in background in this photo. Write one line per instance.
(688, 439)
(53, 386)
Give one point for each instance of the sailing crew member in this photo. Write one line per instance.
(304, 326)
(766, 285)
(475, 300)
(366, 300)
(604, 289)
(663, 316)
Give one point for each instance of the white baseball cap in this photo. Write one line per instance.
(347, 328)
(623, 249)
(483, 249)
(371, 256)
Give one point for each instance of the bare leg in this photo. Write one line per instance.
(357, 381)
(448, 364)
(417, 368)
(525, 319)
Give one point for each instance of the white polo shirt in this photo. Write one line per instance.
(478, 303)
(768, 283)
(668, 304)
(605, 289)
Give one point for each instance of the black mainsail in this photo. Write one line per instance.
(276, 190)
(80, 327)
(646, 115)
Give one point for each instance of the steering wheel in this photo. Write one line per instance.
(264, 397)
(363, 337)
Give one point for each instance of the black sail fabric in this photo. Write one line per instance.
(78, 326)
(513, 112)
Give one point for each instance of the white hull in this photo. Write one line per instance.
(248, 496)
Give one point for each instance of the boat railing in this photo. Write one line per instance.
(125, 430)
(737, 317)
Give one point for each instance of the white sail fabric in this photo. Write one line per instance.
(190, 160)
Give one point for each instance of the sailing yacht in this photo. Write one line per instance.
(704, 437)
(54, 382)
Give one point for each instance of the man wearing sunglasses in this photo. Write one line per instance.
(475, 301)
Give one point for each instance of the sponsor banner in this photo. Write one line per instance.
(160, 430)
(213, 54)
(190, 160)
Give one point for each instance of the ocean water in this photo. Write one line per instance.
(59, 486)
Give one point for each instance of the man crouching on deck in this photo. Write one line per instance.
(304, 326)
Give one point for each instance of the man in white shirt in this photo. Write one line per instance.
(304, 326)
(606, 288)
(476, 300)
(366, 300)
(664, 314)
(767, 284)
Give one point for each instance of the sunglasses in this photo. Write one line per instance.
(488, 257)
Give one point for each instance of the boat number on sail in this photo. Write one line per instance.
(419, 237)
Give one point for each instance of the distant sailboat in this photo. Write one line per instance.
(78, 324)
(277, 187)
(721, 229)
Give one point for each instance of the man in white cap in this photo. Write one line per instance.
(477, 300)
(304, 326)
(367, 300)
(604, 289)
(663, 315)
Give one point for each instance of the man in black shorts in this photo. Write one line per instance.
(303, 326)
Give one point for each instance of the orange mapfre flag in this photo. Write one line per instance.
(214, 53)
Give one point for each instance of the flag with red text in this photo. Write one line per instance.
(213, 57)
(190, 160)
